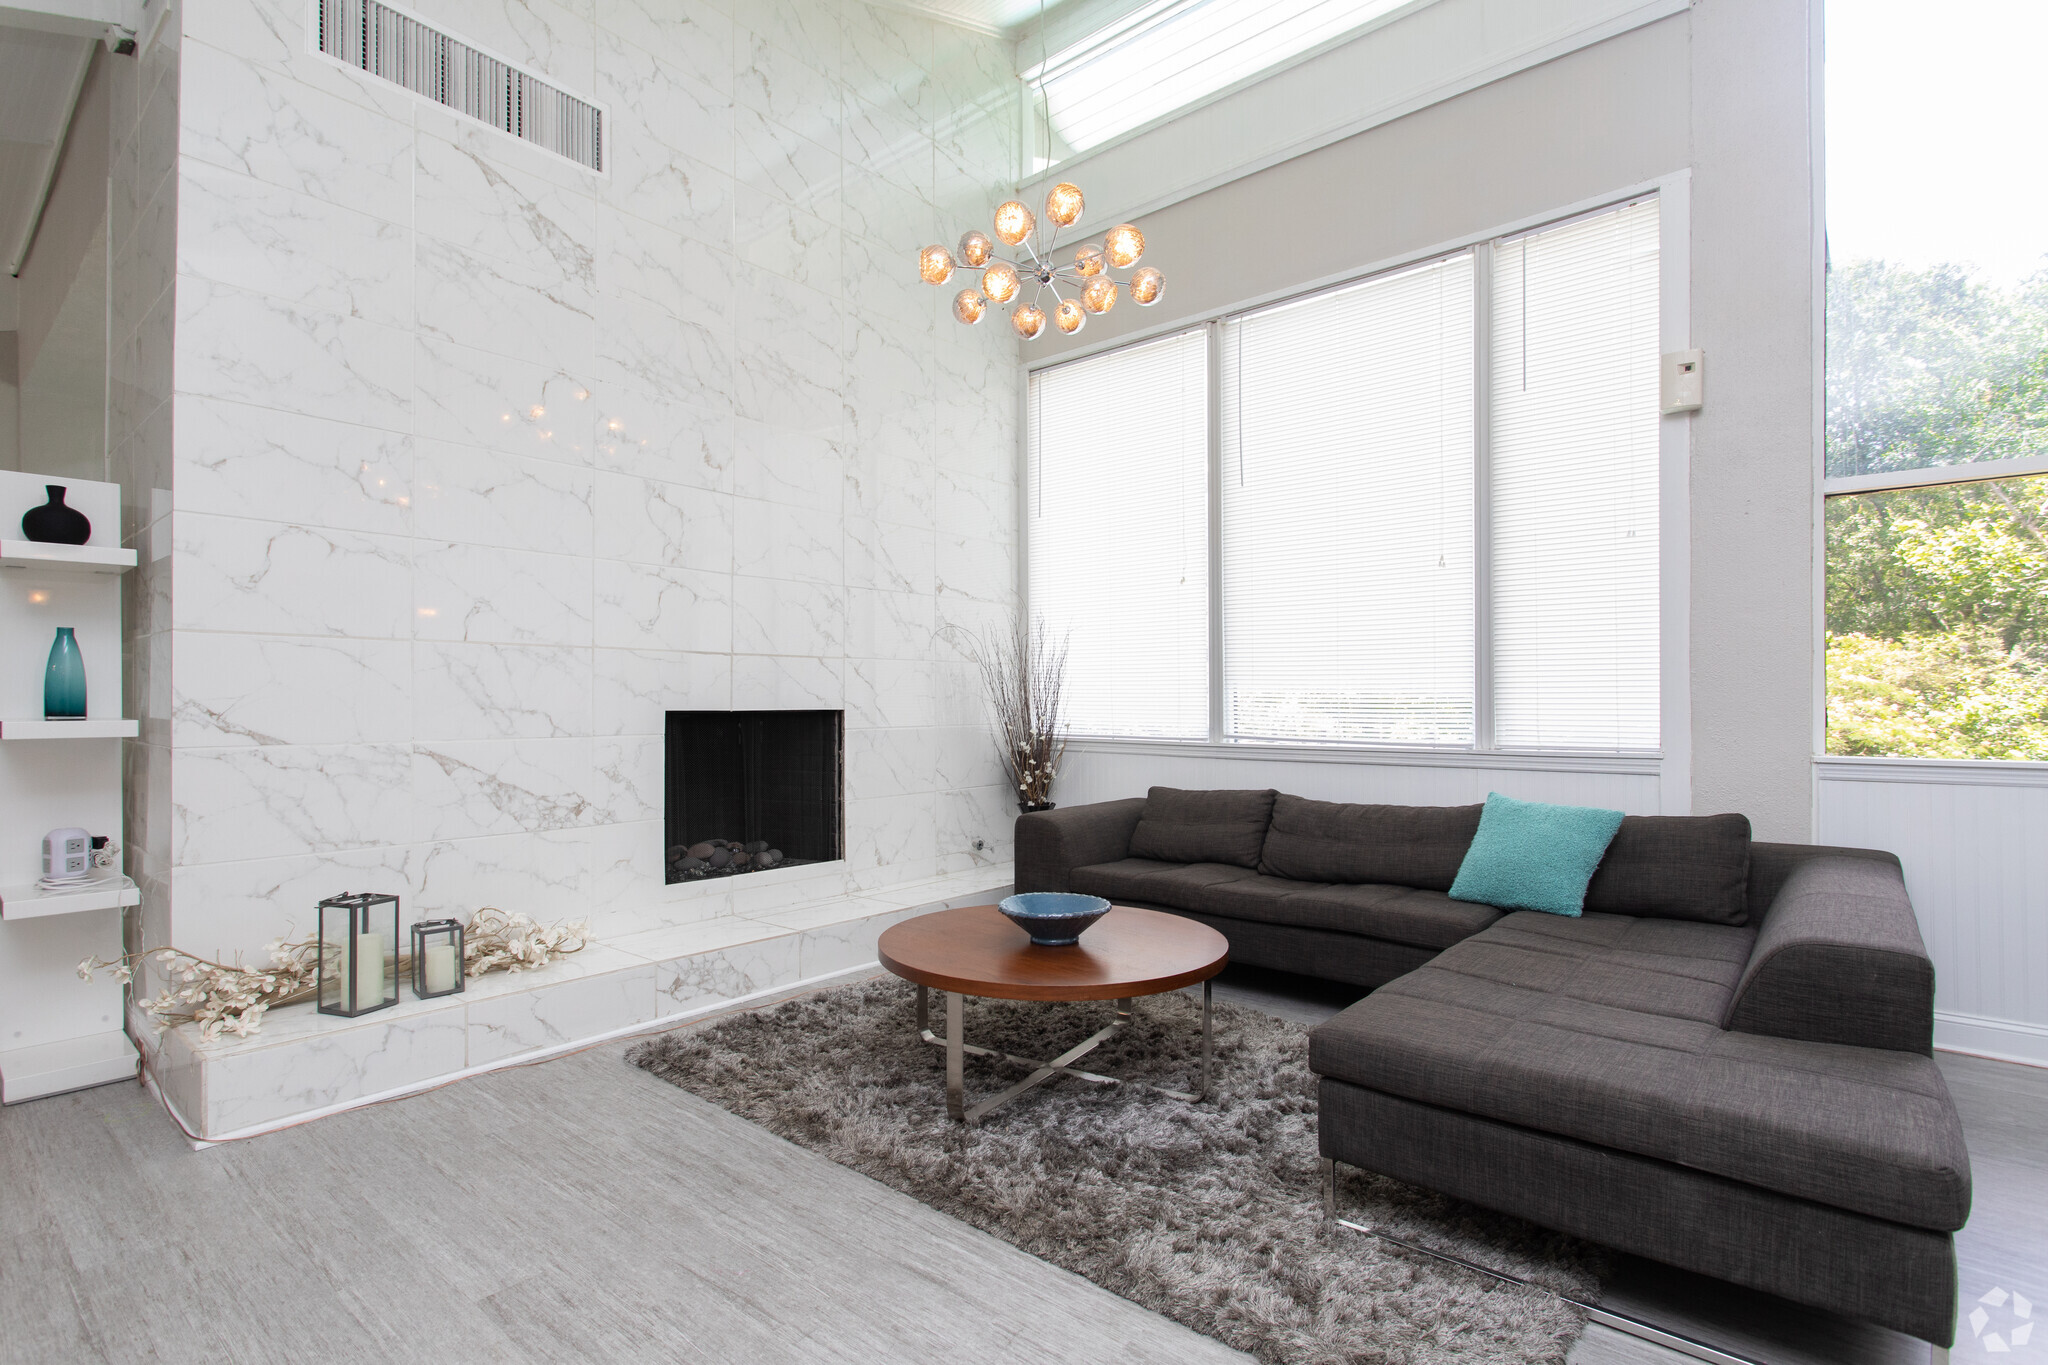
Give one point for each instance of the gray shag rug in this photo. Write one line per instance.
(1209, 1213)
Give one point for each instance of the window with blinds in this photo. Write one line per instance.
(1392, 570)
(1119, 533)
(1574, 460)
(1347, 568)
(1166, 56)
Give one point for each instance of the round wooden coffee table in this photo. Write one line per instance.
(974, 950)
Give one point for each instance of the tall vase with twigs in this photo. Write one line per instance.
(1024, 673)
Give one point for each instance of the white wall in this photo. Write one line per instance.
(61, 350)
(10, 395)
(1756, 244)
(1106, 771)
(484, 462)
(142, 238)
(1720, 91)
(1966, 834)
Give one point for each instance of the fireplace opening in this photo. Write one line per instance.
(753, 790)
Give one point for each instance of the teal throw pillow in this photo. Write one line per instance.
(1532, 856)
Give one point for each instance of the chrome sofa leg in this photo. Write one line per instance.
(1937, 1355)
(1328, 1169)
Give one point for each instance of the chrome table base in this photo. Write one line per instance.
(957, 1047)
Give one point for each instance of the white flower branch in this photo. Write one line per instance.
(224, 997)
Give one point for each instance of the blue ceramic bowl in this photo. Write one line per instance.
(1054, 919)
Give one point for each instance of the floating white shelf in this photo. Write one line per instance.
(29, 1073)
(105, 892)
(77, 559)
(92, 727)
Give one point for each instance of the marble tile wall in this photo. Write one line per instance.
(484, 461)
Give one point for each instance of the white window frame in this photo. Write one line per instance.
(1672, 761)
(1856, 767)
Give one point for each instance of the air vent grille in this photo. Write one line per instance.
(386, 43)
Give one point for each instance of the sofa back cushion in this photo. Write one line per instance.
(1203, 827)
(1324, 841)
(1692, 867)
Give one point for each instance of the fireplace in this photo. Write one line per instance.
(749, 791)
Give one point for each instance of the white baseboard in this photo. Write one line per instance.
(2003, 1040)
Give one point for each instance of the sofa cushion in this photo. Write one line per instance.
(1397, 914)
(1203, 826)
(1607, 1029)
(1324, 841)
(1147, 880)
(1676, 867)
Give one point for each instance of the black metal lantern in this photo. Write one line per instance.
(358, 953)
(437, 958)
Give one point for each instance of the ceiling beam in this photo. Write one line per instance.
(117, 21)
(48, 175)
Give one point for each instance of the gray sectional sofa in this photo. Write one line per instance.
(1725, 1064)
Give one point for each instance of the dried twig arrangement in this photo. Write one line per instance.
(223, 997)
(1024, 674)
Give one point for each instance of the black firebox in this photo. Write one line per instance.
(753, 790)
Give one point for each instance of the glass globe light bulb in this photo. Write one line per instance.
(1100, 295)
(1014, 222)
(1028, 321)
(1123, 245)
(935, 265)
(1063, 203)
(1069, 317)
(1000, 282)
(976, 248)
(968, 306)
(1146, 286)
(1088, 261)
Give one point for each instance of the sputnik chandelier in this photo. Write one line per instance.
(1088, 274)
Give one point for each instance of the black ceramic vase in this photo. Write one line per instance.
(1030, 808)
(55, 524)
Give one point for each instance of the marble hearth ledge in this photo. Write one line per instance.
(305, 1064)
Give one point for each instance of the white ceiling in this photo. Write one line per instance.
(38, 73)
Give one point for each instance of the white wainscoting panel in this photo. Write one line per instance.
(1097, 770)
(1970, 835)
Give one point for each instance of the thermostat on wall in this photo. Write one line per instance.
(1684, 376)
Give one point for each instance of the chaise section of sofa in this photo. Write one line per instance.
(1757, 1104)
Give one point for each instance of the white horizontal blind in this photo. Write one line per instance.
(1171, 54)
(1348, 513)
(1119, 534)
(1574, 463)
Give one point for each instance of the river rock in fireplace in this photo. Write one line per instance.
(721, 858)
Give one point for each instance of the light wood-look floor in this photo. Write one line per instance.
(580, 1210)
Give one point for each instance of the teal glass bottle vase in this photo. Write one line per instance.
(64, 682)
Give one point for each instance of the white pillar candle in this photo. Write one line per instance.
(369, 969)
(440, 968)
